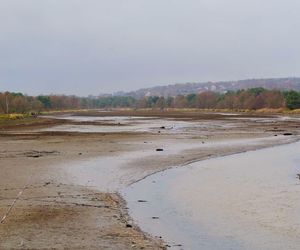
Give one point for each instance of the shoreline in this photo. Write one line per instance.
(91, 146)
(165, 244)
(293, 140)
(219, 190)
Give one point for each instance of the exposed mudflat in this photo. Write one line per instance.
(70, 170)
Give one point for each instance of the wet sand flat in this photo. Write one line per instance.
(61, 208)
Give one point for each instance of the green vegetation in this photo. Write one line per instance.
(292, 99)
(250, 99)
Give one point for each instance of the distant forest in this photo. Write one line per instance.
(251, 99)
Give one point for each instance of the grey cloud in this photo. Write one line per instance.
(91, 46)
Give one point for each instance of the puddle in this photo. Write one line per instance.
(243, 201)
(117, 124)
(289, 118)
(134, 124)
(116, 119)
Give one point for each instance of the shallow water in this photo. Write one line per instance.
(134, 124)
(113, 172)
(233, 202)
(244, 201)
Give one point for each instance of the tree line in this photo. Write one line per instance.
(252, 99)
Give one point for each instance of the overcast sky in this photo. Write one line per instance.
(94, 46)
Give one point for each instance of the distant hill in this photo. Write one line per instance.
(187, 88)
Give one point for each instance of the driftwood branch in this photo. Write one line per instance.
(12, 204)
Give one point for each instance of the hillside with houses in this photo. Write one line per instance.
(221, 87)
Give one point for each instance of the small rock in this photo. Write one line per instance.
(34, 156)
(160, 149)
(155, 217)
(142, 201)
(163, 127)
(128, 225)
(287, 134)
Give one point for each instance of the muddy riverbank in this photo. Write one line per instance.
(71, 175)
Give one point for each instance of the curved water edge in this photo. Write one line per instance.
(231, 202)
(115, 172)
(158, 198)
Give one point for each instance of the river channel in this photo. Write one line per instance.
(244, 201)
